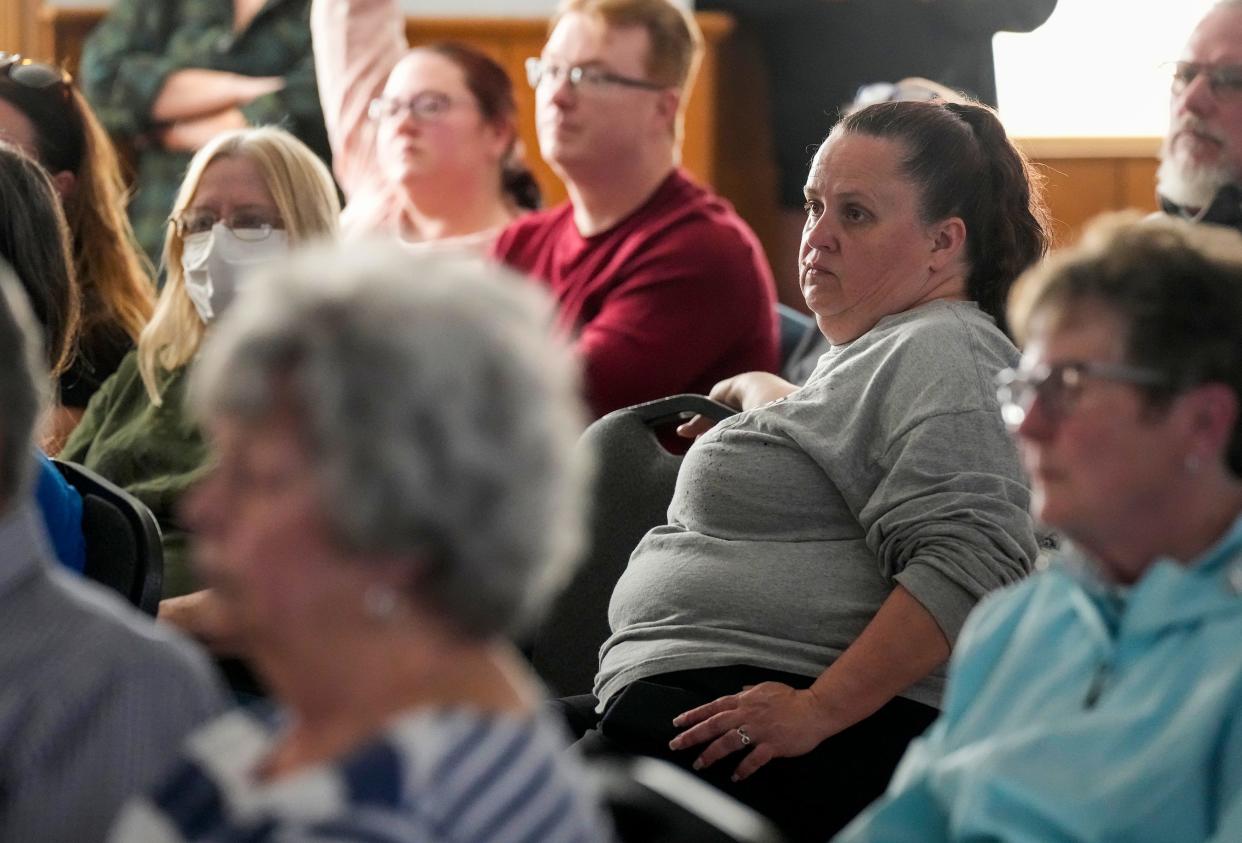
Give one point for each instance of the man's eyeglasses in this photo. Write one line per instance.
(1059, 387)
(32, 74)
(246, 225)
(1224, 80)
(539, 71)
(427, 106)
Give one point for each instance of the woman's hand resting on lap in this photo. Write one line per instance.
(780, 722)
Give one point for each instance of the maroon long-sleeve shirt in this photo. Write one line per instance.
(673, 298)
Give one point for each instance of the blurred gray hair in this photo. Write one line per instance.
(439, 411)
(24, 388)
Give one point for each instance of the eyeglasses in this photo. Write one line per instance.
(539, 71)
(1059, 387)
(246, 225)
(1225, 80)
(427, 106)
(904, 91)
(32, 74)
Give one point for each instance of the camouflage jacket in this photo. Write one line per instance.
(140, 42)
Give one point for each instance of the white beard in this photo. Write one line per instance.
(1188, 184)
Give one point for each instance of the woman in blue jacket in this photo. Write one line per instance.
(1102, 699)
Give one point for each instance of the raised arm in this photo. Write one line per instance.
(356, 44)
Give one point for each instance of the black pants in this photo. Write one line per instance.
(810, 797)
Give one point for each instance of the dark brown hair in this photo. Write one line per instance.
(34, 241)
(493, 90)
(115, 276)
(965, 166)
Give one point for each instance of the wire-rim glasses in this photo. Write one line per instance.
(1224, 80)
(425, 106)
(579, 76)
(1059, 386)
(245, 225)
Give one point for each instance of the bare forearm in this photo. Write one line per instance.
(201, 616)
(196, 92)
(745, 392)
(57, 426)
(902, 644)
(190, 135)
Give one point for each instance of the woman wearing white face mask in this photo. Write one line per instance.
(247, 198)
(214, 255)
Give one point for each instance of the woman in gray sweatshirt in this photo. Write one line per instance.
(822, 551)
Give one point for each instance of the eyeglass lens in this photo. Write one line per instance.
(30, 74)
(247, 225)
(1225, 80)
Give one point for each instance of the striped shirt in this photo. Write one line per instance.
(95, 698)
(433, 777)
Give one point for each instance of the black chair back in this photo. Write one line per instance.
(123, 549)
(633, 485)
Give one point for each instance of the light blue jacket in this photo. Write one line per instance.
(1079, 713)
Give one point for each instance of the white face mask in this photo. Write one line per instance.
(217, 262)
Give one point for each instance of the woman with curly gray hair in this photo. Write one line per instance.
(394, 494)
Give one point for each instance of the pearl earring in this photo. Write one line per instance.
(379, 602)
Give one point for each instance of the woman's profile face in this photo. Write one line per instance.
(431, 129)
(232, 191)
(1099, 457)
(261, 538)
(16, 129)
(865, 251)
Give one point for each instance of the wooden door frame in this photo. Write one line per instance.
(18, 26)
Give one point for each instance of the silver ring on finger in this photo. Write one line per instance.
(747, 740)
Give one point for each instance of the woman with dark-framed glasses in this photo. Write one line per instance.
(248, 196)
(424, 140)
(1102, 699)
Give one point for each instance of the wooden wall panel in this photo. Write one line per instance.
(510, 42)
(18, 26)
(1089, 176)
(727, 142)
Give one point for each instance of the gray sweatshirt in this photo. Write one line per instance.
(792, 523)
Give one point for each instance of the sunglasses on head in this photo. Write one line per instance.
(32, 74)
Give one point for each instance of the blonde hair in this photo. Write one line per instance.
(114, 274)
(675, 44)
(306, 198)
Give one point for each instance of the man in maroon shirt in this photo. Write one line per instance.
(663, 286)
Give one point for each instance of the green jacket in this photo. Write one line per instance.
(141, 42)
(154, 453)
